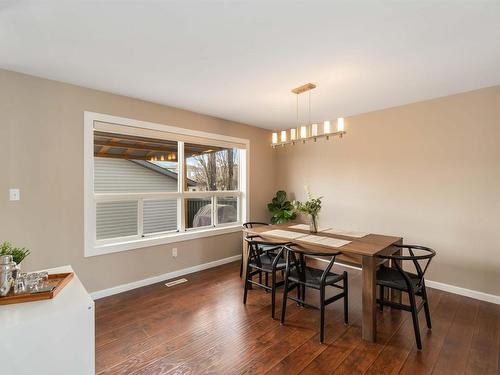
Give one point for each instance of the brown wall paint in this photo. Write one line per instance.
(428, 171)
(41, 152)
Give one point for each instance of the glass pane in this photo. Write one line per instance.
(210, 168)
(159, 216)
(227, 210)
(116, 219)
(129, 164)
(198, 212)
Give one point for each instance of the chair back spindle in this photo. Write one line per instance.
(425, 259)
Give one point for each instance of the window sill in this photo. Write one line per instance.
(160, 240)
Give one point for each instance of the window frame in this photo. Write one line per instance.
(93, 247)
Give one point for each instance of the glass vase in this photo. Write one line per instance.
(313, 224)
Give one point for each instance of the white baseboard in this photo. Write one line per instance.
(185, 271)
(166, 276)
(463, 291)
(445, 287)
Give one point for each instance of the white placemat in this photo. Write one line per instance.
(299, 226)
(284, 234)
(322, 240)
(348, 233)
(306, 227)
(313, 238)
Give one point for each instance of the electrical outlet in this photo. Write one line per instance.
(14, 194)
(174, 252)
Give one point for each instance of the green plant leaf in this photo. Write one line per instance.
(281, 209)
(18, 253)
(281, 196)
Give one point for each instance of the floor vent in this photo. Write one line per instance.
(175, 282)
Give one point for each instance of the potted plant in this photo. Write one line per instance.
(18, 254)
(281, 209)
(310, 207)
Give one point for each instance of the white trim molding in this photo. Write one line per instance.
(94, 247)
(160, 278)
(463, 291)
(161, 240)
(133, 123)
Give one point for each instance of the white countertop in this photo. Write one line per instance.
(71, 297)
(54, 336)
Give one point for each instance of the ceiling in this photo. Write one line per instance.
(239, 60)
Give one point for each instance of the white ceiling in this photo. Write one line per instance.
(239, 59)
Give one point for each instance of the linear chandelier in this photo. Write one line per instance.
(303, 133)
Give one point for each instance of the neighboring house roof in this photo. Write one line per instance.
(163, 171)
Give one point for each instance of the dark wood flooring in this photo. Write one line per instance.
(202, 327)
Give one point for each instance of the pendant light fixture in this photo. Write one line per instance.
(310, 130)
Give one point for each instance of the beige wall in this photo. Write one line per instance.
(428, 171)
(41, 152)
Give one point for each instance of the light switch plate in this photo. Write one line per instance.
(14, 194)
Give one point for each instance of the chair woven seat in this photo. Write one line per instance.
(313, 277)
(392, 278)
(266, 261)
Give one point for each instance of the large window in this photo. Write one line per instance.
(151, 186)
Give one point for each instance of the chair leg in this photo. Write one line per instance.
(414, 315)
(322, 315)
(245, 292)
(426, 308)
(299, 294)
(285, 297)
(241, 267)
(260, 277)
(381, 304)
(273, 292)
(267, 281)
(346, 299)
(303, 293)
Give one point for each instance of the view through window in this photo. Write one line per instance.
(142, 189)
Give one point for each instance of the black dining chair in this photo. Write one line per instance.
(299, 275)
(398, 278)
(260, 261)
(248, 225)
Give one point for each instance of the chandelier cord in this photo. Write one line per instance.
(309, 123)
(297, 107)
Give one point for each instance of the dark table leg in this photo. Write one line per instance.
(369, 323)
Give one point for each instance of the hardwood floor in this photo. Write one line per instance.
(202, 327)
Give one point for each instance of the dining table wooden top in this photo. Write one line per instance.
(369, 245)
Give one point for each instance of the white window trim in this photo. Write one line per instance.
(91, 248)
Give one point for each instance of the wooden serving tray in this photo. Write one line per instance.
(59, 280)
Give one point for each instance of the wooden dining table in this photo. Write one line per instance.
(361, 251)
